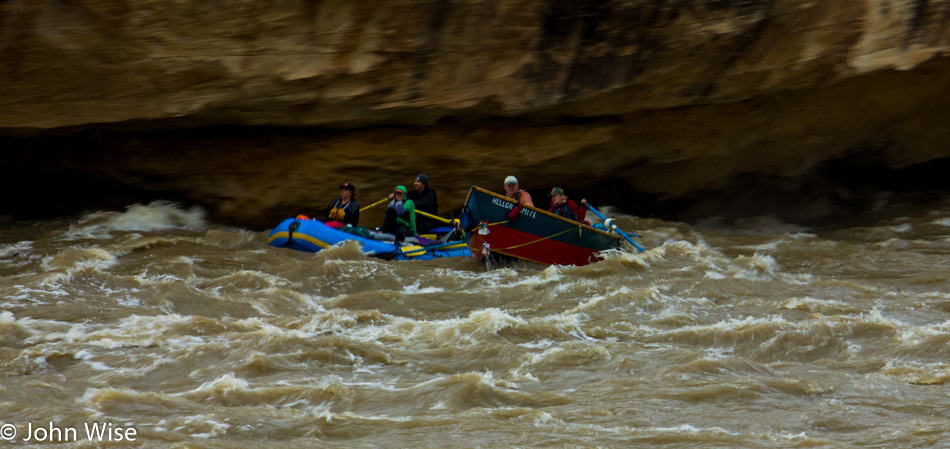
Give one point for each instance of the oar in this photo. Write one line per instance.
(434, 217)
(424, 214)
(374, 204)
(636, 245)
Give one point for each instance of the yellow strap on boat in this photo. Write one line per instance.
(413, 250)
(488, 224)
(300, 236)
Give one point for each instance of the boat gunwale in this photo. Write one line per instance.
(533, 208)
(396, 250)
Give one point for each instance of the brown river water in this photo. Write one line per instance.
(193, 334)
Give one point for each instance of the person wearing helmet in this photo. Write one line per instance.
(400, 215)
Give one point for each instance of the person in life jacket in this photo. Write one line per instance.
(343, 210)
(523, 198)
(400, 215)
(564, 207)
(425, 200)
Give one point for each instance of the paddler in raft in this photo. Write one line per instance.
(343, 210)
(425, 200)
(400, 216)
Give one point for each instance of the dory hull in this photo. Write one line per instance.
(535, 235)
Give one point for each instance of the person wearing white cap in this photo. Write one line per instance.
(512, 191)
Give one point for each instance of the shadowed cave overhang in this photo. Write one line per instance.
(647, 105)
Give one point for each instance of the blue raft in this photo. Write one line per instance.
(313, 235)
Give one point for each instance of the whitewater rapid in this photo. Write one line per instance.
(193, 333)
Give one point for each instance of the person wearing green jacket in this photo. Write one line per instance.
(400, 216)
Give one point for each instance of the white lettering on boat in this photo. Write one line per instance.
(509, 205)
(501, 203)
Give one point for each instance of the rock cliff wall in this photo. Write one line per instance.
(662, 99)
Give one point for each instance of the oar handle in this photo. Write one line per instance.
(434, 217)
(636, 245)
(374, 204)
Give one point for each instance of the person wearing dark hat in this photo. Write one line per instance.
(400, 216)
(566, 208)
(343, 210)
(425, 200)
